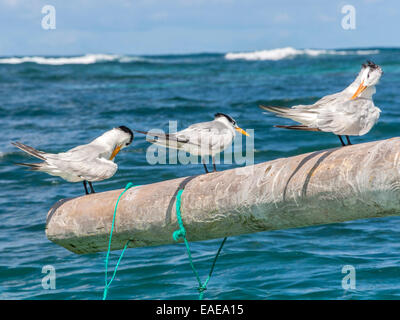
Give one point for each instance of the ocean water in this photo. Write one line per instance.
(55, 103)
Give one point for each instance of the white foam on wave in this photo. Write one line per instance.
(273, 54)
(85, 59)
(94, 58)
(289, 52)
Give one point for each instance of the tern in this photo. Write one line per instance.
(350, 112)
(201, 139)
(88, 163)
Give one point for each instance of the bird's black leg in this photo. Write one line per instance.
(91, 188)
(348, 140)
(341, 140)
(84, 185)
(205, 167)
(214, 167)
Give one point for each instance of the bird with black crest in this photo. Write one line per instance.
(200, 139)
(85, 163)
(350, 112)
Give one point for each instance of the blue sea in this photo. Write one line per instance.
(56, 103)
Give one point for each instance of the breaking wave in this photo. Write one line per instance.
(273, 54)
(85, 59)
(289, 52)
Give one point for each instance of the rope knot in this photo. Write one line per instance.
(202, 289)
(181, 233)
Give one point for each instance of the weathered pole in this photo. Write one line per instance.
(335, 185)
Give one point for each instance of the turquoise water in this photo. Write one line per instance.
(57, 106)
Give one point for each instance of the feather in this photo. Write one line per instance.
(30, 150)
(303, 128)
(164, 136)
(31, 166)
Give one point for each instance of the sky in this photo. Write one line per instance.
(193, 26)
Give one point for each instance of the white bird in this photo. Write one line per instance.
(350, 112)
(201, 139)
(88, 163)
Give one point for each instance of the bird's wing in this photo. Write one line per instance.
(91, 170)
(321, 103)
(171, 140)
(209, 135)
(86, 152)
(339, 114)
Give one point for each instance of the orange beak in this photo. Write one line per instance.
(242, 131)
(360, 89)
(115, 152)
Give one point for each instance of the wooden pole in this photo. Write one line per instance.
(335, 185)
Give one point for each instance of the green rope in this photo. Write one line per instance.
(181, 233)
(107, 284)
